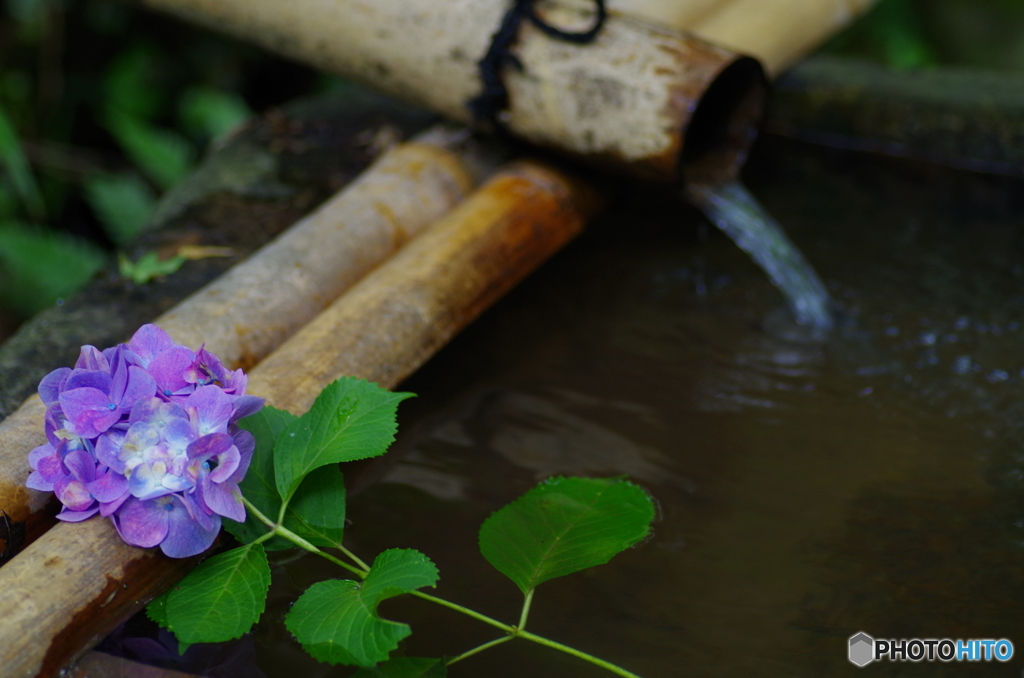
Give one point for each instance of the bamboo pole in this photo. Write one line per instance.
(79, 580)
(622, 101)
(246, 313)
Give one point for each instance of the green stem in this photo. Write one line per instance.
(480, 648)
(577, 653)
(281, 530)
(511, 630)
(256, 512)
(353, 557)
(526, 609)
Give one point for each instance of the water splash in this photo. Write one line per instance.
(732, 208)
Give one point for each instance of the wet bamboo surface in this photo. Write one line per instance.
(623, 100)
(246, 313)
(389, 324)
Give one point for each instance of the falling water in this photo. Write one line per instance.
(734, 210)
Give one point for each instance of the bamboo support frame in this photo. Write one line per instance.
(249, 311)
(391, 321)
(624, 101)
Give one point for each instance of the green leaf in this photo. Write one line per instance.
(219, 600)
(157, 610)
(351, 419)
(38, 267)
(317, 510)
(405, 667)
(129, 84)
(123, 203)
(565, 525)
(258, 485)
(209, 113)
(13, 160)
(336, 621)
(164, 156)
(148, 266)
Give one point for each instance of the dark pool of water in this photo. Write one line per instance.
(807, 490)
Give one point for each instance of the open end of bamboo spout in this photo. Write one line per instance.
(723, 128)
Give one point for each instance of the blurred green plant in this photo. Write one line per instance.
(109, 129)
(931, 33)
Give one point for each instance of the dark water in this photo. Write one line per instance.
(808, 489)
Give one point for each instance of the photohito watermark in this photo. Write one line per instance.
(864, 649)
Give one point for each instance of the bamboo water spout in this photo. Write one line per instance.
(249, 311)
(625, 101)
(390, 322)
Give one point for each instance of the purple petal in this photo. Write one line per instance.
(109, 507)
(210, 408)
(108, 487)
(149, 342)
(81, 465)
(227, 462)
(210, 446)
(51, 467)
(72, 493)
(179, 433)
(206, 368)
(108, 448)
(52, 384)
(220, 497)
(200, 512)
(146, 484)
(185, 536)
(89, 410)
(155, 410)
(39, 453)
(246, 405)
(70, 516)
(54, 422)
(235, 382)
(36, 481)
(168, 369)
(246, 444)
(145, 523)
(91, 358)
(140, 385)
(88, 379)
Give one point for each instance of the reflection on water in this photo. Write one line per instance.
(733, 209)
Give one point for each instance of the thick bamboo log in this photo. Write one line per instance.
(623, 101)
(431, 289)
(246, 313)
(394, 320)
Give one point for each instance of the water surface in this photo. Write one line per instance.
(808, 489)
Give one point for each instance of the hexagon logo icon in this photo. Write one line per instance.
(862, 649)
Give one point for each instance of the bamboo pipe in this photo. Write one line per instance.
(623, 101)
(776, 32)
(392, 320)
(247, 312)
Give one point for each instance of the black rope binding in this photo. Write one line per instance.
(493, 99)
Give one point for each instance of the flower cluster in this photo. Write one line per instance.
(145, 433)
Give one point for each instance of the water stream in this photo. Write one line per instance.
(733, 209)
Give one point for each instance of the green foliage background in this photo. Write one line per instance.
(104, 106)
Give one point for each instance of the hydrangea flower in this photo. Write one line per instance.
(146, 433)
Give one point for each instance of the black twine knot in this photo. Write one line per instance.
(493, 99)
